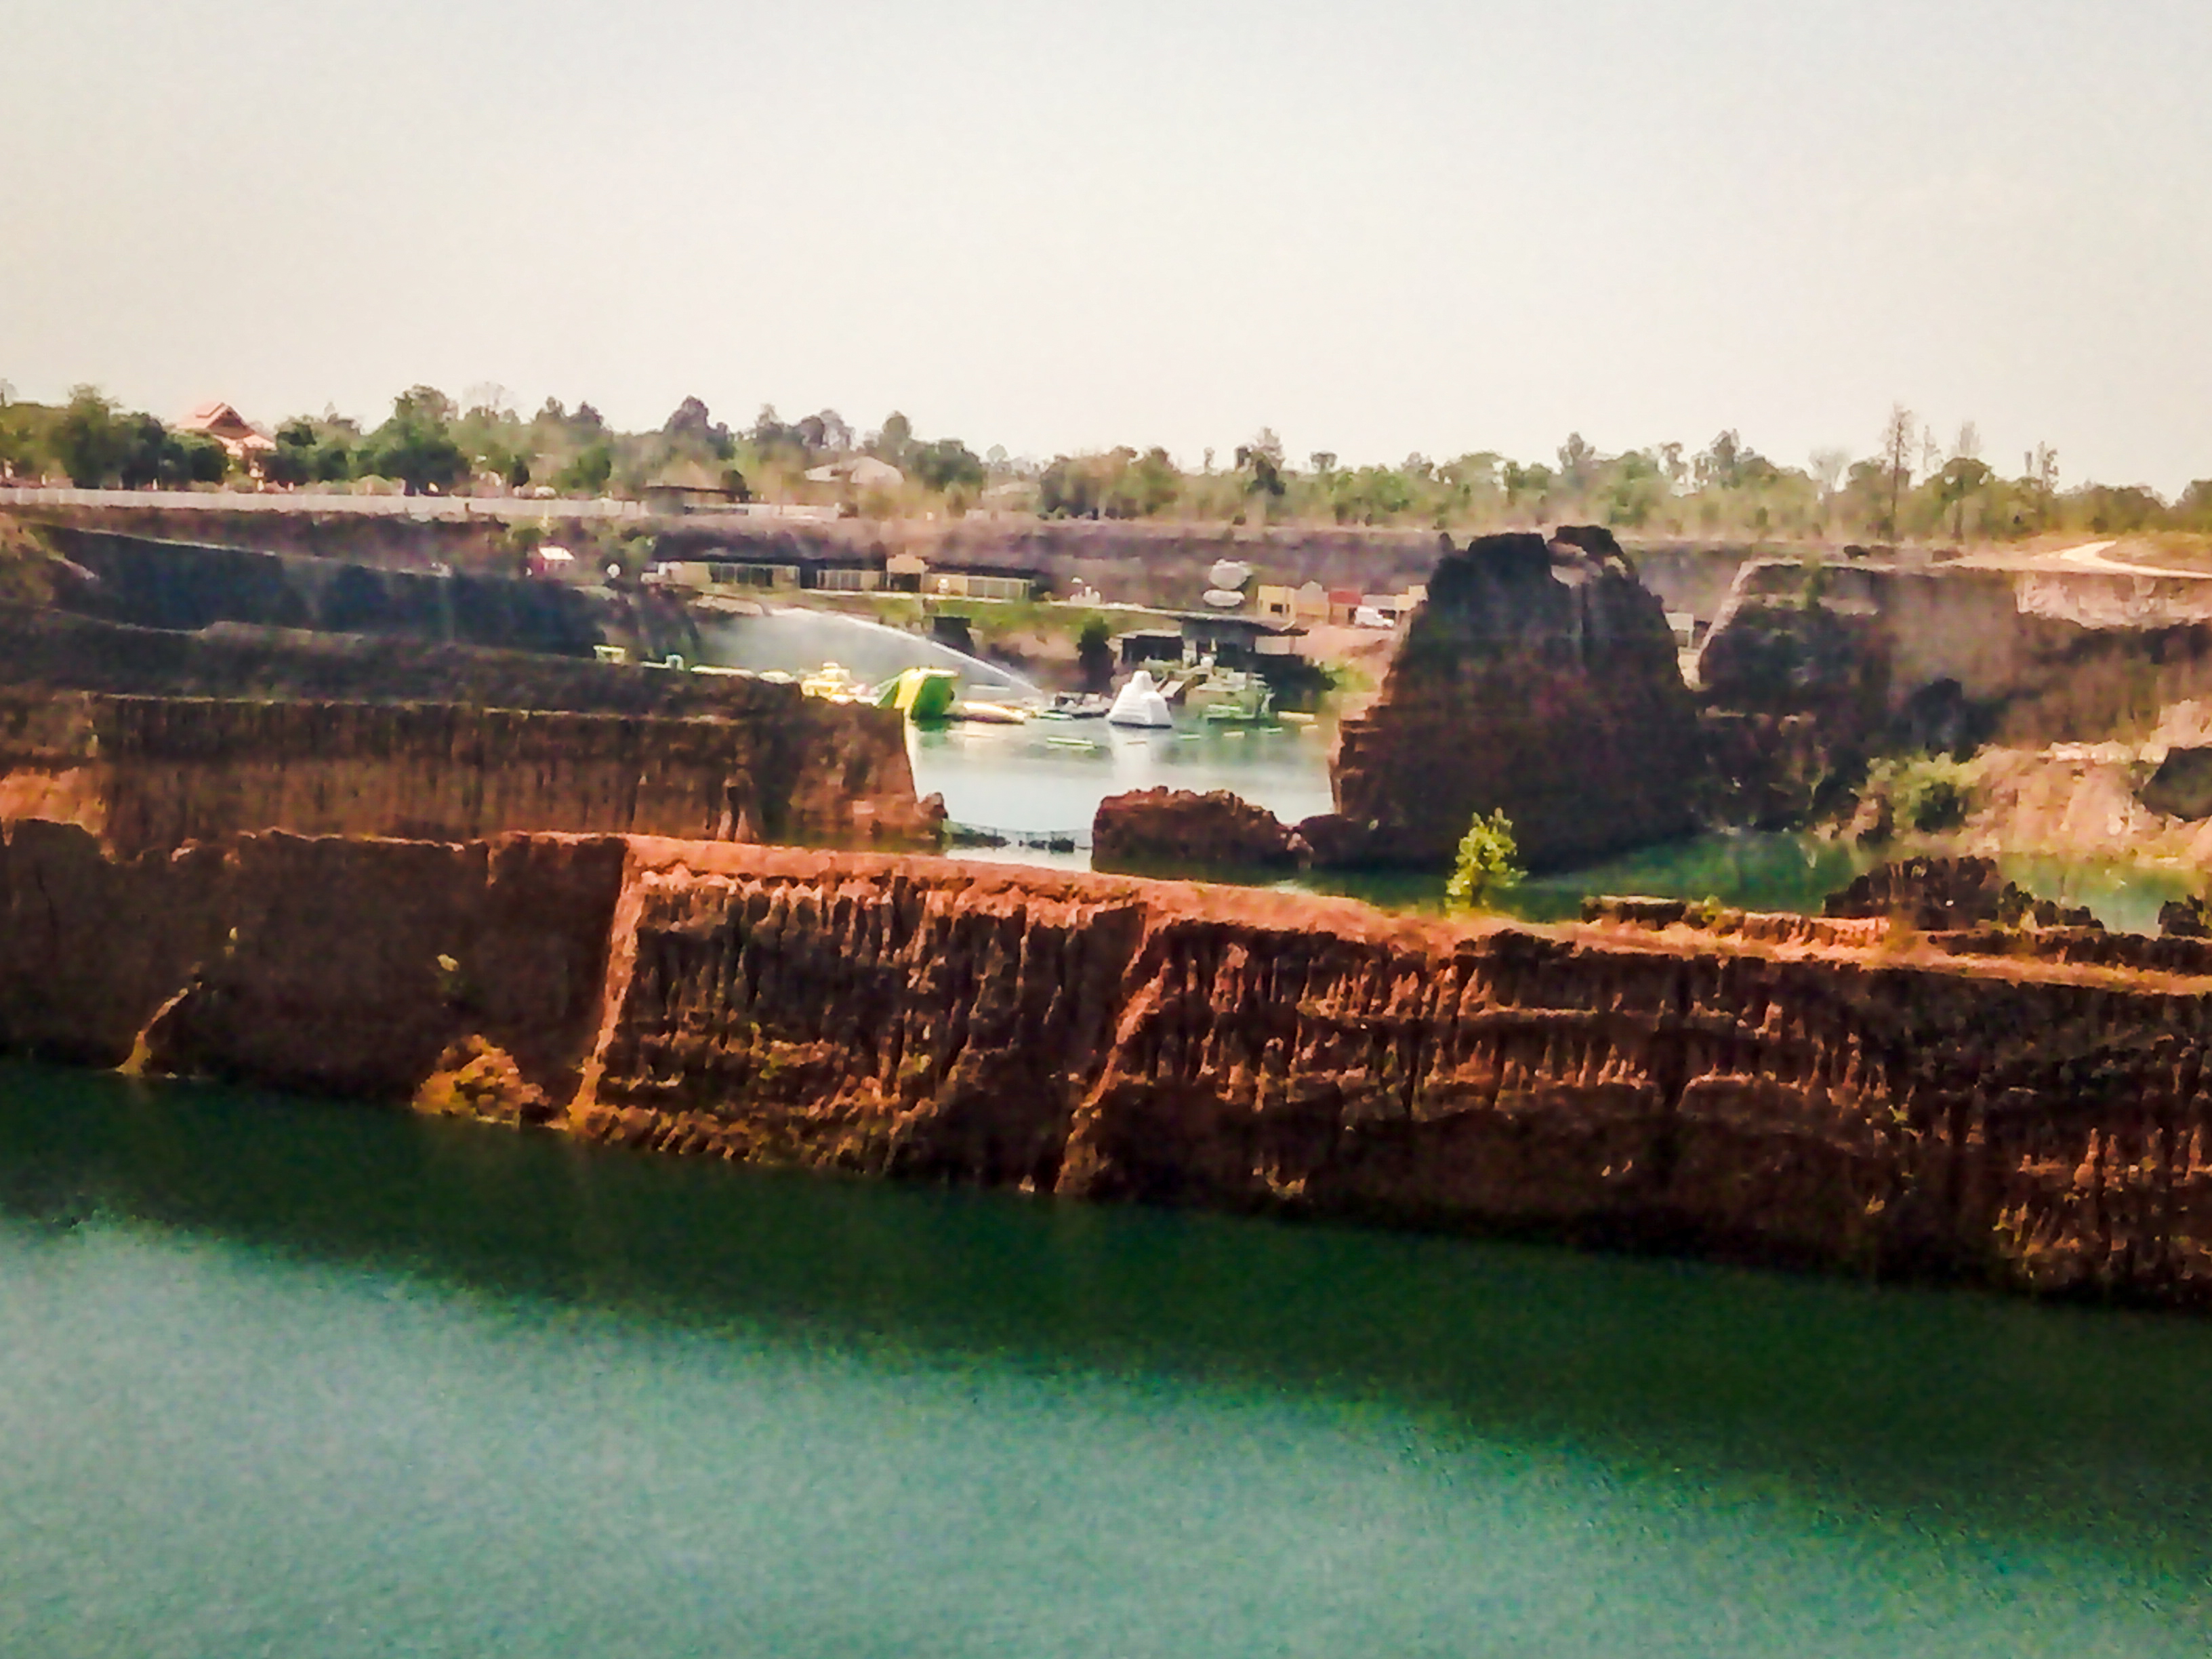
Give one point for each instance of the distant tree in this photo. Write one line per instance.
(2118, 512)
(1528, 485)
(1579, 464)
(692, 421)
(2194, 510)
(1262, 460)
(1148, 484)
(195, 458)
(1634, 488)
(1369, 494)
(945, 464)
(588, 473)
(1962, 478)
(1094, 654)
(1897, 457)
(88, 442)
(1323, 462)
(291, 464)
(417, 445)
(145, 440)
(425, 404)
(334, 456)
(1067, 489)
(894, 441)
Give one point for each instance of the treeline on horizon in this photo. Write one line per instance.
(1912, 487)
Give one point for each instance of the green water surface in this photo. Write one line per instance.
(288, 1377)
(1048, 778)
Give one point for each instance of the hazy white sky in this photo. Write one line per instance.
(1396, 226)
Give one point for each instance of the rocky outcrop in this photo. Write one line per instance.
(1812, 671)
(1947, 894)
(1540, 679)
(1178, 830)
(1789, 1095)
(1926, 893)
(2180, 786)
(158, 772)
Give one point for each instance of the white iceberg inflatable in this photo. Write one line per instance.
(1140, 704)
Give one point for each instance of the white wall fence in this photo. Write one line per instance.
(457, 507)
(454, 508)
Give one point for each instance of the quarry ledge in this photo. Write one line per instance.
(1871, 1100)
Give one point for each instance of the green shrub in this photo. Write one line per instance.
(1926, 794)
(1485, 866)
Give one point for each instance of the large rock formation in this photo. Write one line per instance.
(1540, 679)
(1819, 1092)
(1179, 831)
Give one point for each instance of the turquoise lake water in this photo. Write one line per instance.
(1049, 777)
(289, 1377)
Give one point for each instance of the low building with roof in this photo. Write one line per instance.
(241, 439)
(1231, 639)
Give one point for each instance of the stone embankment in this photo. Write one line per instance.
(1831, 1093)
(1540, 679)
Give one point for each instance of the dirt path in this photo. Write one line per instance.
(2089, 556)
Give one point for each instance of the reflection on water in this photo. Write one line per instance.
(1049, 775)
(288, 1377)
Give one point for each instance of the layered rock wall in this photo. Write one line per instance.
(2036, 1124)
(1808, 672)
(158, 772)
(58, 651)
(1540, 679)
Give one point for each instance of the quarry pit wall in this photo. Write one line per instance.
(1874, 1107)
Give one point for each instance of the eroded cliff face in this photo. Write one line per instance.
(158, 772)
(1825, 1093)
(2062, 682)
(1539, 678)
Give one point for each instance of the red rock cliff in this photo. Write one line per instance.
(2030, 1123)
(1538, 678)
(157, 771)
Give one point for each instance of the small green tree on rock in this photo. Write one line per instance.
(1484, 868)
